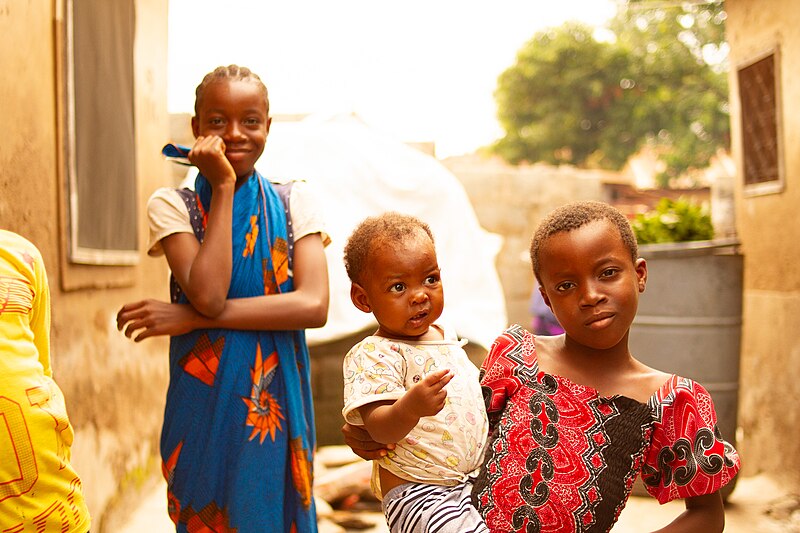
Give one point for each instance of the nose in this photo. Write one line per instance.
(592, 295)
(419, 296)
(234, 130)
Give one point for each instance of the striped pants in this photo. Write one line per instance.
(419, 508)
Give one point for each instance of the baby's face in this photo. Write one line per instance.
(403, 287)
(592, 283)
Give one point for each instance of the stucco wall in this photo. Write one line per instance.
(769, 230)
(114, 389)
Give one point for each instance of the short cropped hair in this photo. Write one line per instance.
(387, 227)
(576, 215)
(231, 72)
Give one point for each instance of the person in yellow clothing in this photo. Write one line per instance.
(39, 489)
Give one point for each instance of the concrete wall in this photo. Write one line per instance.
(769, 230)
(114, 389)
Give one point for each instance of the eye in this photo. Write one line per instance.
(397, 287)
(433, 279)
(609, 272)
(565, 286)
(251, 121)
(216, 121)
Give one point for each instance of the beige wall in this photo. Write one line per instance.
(769, 229)
(113, 387)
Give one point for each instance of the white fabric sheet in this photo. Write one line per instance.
(360, 172)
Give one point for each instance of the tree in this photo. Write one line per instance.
(571, 98)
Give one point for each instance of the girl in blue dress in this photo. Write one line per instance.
(249, 275)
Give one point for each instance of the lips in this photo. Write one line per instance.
(598, 319)
(419, 316)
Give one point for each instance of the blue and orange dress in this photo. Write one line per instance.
(238, 438)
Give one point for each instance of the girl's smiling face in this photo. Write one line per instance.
(236, 111)
(592, 284)
(401, 287)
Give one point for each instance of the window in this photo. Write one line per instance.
(759, 96)
(99, 132)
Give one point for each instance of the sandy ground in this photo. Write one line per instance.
(749, 509)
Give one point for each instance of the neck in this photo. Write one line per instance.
(602, 359)
(434, 333)
(241, 180)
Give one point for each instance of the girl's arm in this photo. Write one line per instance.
(389, 422)
(204, 270)
(305, 307)
(703, 514)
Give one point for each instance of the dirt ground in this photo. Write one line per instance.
(757, 505)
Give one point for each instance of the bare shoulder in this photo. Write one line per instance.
(548, 350)
(646, 381)
(544, 343)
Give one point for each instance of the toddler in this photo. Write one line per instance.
(411, 382)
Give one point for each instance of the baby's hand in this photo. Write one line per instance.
(427, 397)
(208, 155)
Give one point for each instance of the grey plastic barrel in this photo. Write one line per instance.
(690, 319)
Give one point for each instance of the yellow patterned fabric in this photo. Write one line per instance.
(39, 489)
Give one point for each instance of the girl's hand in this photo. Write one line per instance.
(427, 397)
(151, 318)
(359, 440)
(208, 155)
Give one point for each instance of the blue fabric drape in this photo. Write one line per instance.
(238, 437)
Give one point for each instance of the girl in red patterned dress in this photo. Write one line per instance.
(574, 418)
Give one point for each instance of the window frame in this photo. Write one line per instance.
(76, 254)
(777, 185)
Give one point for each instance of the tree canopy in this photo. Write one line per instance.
(573, 98)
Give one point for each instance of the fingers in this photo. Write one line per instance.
(438, 379)
(208, 155)
(133, 327)
(359, 440)
(369, 455)
(143, 330)
(212, 144)
(129, 312)
(135, 317)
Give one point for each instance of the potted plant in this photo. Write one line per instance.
(674, 221)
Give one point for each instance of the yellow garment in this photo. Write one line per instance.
(39, 490)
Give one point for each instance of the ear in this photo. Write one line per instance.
(641, 273)
(195, 127)
(269, 123)
(545, 298)
(359, 298)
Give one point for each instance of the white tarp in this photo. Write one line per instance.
(359, 172)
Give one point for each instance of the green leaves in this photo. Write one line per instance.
(674, 221)
(573, 99)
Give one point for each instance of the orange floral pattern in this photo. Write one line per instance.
(263, 411)
(251, 237)
(202, 360)
(301, 471)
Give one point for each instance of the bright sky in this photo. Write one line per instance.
(420, 70)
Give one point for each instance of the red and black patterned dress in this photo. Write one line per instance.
(563, 458)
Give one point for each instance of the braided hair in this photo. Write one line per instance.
(231, 72)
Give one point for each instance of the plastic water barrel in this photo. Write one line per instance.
(690, 319)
